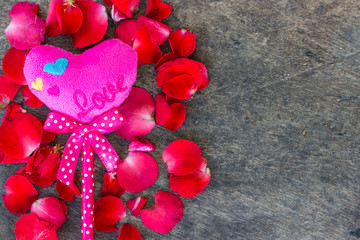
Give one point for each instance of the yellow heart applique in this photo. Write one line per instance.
(38, 84)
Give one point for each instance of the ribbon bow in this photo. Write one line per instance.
(89, 138)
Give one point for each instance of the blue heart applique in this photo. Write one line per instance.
(58, 68)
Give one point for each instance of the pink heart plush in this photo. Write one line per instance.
(82, 86)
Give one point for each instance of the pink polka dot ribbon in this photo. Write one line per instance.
(89, 138)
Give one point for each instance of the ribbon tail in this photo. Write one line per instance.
(87, 219)
(105, 151)
(69, 158)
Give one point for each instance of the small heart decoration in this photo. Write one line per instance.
(37, 84)
(58, 68)
(55, 91)
(82, 86)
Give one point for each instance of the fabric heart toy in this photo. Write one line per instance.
(84, 92)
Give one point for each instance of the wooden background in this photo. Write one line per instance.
(277, 68)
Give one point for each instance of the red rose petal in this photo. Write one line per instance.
(26, 29)
(30, 99)
(47, 137)
(111, 186)
(67, 192)
(138, 110)
(128, 8)
(163, 110)
(181, 78)
(147, 51)
(164, 59)
(182, 157)
(177, 67)
(165, 214)
(157, 30)
(182, 42)
(20, 194)
(11, 110)
(126, 31)
(157, 10)
(141, 145)
(205, 78)
(129, 232)
(51, 26)
(4, 159)
(108, 211)
(8, 90)
(34, 8)
(171, 100)
(20, 135)
(190, 185)
(42, 166)
(116, 14)
(180, 87)
(177, 117)
(29, 227)
(180, 66)
(94, 25)
(50, 209)
(137, 172)
(136, 205)
(10, 160)
(13, 65)
(108, 3)
(69, 17)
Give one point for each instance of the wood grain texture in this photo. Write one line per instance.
(276, 67)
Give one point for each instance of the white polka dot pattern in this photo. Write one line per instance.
(86, 138)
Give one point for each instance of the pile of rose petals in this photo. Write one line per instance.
(170, 112)
(29, 227)
(10, 83)
(188, 170)
(189, 176)
(23, 140)
(42, 166)
(20, 194)
(25, 31)
(85, 20)
(46, 216)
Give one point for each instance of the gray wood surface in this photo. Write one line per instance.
(276, 68)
